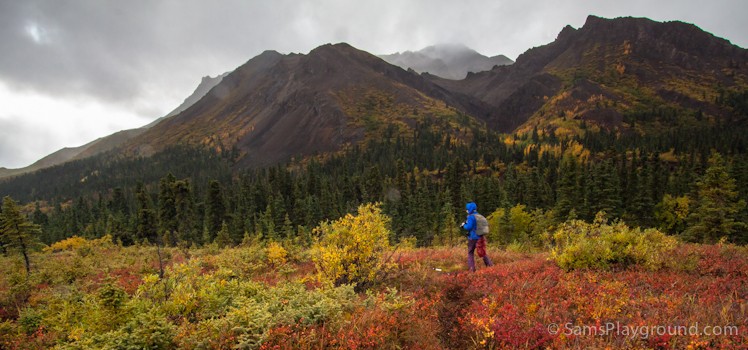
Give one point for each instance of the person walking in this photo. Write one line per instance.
(477, 228)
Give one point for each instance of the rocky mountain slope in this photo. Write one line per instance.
(608, 71)
(623, 74)
(279, 106)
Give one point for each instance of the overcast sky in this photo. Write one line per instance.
(73, 71)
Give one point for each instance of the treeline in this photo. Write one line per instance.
(422, 178)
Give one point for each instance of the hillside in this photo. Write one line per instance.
(291, 140)
(609, 72)
(276, 106)
(110, 142)
(315, 201)
(623, 74)
(449, 61)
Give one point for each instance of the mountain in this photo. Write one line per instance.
(276, 106)
(58, 157)
(625, 116)
(449, 61)
(205, 85)
(107, 143)
(626, 73)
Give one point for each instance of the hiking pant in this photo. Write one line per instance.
(471, 255)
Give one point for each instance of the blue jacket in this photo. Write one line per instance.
(470, 223)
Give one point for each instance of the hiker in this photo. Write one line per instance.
(477, 227)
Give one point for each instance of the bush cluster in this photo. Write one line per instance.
(351, 250)
(579, 245)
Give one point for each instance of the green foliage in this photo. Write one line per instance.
(519, 227)
(257, 309)
(215, 211)
(147, 330)
(672, 213)
(223, 239)
(599, 245)
(717, 206)
(435, 162)
(17, 232)
(29, 320)
(112, 296)
(351, 250)
(449, 232)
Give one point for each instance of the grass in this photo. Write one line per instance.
(235, 297)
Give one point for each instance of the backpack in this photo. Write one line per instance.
(481, 225)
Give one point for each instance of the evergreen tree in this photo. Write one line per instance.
(215, 211)
(223, 239)
(267, 224)
(288, 229)
(608, 189)
(167, 210)
(567, 196)
(16, 232)
(643, 203)
(716, 210)
(449, 231)
(146, 226)
(118, 203)
(454, 179)
(184, 204)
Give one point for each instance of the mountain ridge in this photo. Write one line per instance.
(112, 141)
(607, 69)
(449, 61)
(278, 106)
(627, 74)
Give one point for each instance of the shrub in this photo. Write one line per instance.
(520, 228)
(148, 330)
(244, 261)
(601, 245)
(71, 243)
(80, 244)
(258, 309)
(29, 320)
(351, 250)
(276, 254)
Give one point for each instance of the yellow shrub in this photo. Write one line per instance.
(71, 243)
(77, 243)
(350, 250)
(276, 254)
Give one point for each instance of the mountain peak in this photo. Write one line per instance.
(590, 72)
(272, 110)
(337, 48)
(565, 33)
(451, 60)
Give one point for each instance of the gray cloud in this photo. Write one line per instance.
(14, 143)
(145, 56)
(114, 49)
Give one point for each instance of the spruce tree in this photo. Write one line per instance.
(146, 225)
(167, 210)
(717, 207)
(184, 204)
(17, 232)
(215, 211)
(567, 197)
(449, 231)
(223, 239)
